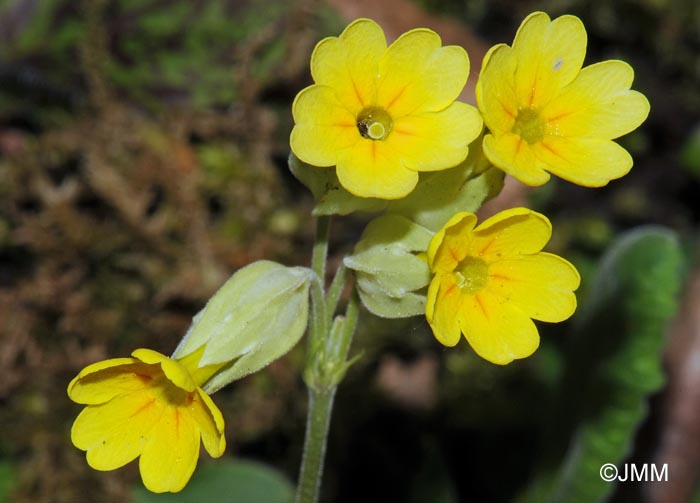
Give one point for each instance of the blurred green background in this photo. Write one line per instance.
(143, 150)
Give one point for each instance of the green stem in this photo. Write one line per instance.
(318, 328)
(317, 424)
(319, 323)
(338, 349)
(326, 363)
(335, 291)
(320, 251)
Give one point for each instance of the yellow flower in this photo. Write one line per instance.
(381, 115)
(489, 282)
(545, 113)
(148, 406)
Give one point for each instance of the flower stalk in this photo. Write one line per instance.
(317, 425)
(329, 342)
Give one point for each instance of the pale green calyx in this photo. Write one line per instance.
(257, 316)
(389, 269)
(437, 197)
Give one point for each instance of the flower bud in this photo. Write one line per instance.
(389, 268)
(257, 316)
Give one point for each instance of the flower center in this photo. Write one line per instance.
(529, 125)
(472, 274)
(166, 392)
(374, 123)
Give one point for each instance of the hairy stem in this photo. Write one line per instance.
(329, 341)
(320, 251)
(317, 424)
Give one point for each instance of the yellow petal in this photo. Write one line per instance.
(171, 451)
(511, 233)
(373, 169)
(436, 140)
(202, 374)
(418, 75)
(485, 61)
(114, 433)
(540, 285)
(211, 423)
(495, 90)
(589, 162)
(349, 63)
(598, 104)
(451, 243)
(443, 308)
(148, 356)
(512, 154)
(549, 57)
(323, 126)
(176, 373)
(102, 381)
(498, 331)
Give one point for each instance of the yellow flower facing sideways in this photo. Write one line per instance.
(545, 113)
(381, 115)
(149, 406)
(490, 281)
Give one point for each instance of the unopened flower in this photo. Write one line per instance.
(490, 281)
(381, 115)
(149, 406)
(256, 317)
(547, 114)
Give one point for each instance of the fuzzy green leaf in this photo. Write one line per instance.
(227, 480)
(614, 365)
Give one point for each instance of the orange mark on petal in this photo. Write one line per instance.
(177, 422)
(144, 407)
(487, 247)
(357, 93)
(145, 378)
(534, 86)
(518, 146)
(405, 132)
(395, 98)
(450, 289)
(560, 116)
(481, 306)
(551, 150)
(506, 109)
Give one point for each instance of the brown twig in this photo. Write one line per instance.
(679, 441)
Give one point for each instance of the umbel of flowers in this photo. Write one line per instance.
(381, 131)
